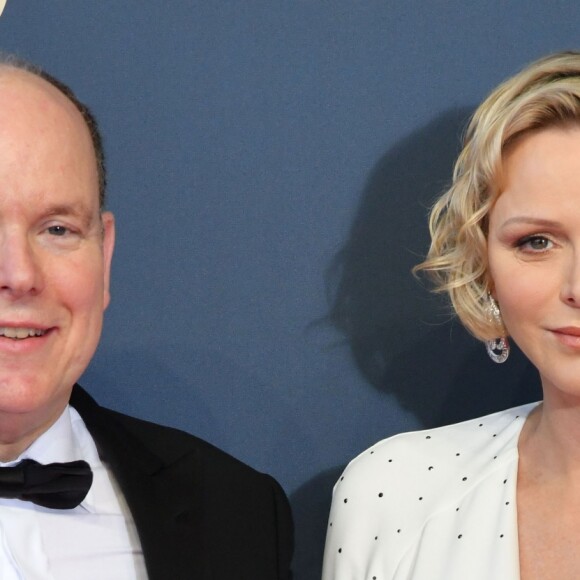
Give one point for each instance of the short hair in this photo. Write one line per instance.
(544, 94)
(12, 61)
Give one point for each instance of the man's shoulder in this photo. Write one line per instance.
(172, 443)
(169, 444)
(231, 509)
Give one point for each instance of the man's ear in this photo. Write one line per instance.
(108, 221)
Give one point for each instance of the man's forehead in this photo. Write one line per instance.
(16, 82)
(41, 127)
(32, 101)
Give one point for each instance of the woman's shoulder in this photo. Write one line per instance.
(388, 494)
(428, 467)
(391, 490)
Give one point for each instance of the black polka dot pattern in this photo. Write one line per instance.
(452, 486)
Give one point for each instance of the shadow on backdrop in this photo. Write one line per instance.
(403, 338)
(310, 506)
(137, 381)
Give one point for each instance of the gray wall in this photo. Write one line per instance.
(270, 167)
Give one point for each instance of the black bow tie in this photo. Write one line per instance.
(55, 485)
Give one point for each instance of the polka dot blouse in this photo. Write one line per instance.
(430, 505)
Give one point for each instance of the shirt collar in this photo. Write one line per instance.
(68, 439)
(55, 445)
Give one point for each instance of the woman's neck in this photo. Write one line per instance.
(549, 444)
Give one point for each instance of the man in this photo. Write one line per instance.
(162, 505)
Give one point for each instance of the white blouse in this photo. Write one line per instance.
(430, 505)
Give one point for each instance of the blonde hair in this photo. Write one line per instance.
(546, 93)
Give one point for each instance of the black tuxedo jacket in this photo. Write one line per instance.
(200, 513)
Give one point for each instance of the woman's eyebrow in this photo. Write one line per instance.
(530, 220)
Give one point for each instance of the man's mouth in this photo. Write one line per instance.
(20, 333)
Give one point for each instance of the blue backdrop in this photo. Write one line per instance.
(270, 167)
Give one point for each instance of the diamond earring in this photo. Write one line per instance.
(498, 349)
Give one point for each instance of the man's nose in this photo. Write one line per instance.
(20, 271)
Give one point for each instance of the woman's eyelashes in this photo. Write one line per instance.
(534, 243)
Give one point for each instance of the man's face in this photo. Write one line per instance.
(55, 249)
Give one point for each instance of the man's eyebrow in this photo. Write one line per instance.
(76, 210)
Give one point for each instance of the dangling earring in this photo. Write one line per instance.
(498, 349)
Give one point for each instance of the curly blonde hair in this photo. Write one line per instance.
(544, 94)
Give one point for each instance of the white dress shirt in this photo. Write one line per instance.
(95, 541)
(430, 505)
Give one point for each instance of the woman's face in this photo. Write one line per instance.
(534, 254)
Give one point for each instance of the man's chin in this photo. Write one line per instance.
(19, 398)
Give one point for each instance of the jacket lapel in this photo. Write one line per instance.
(164, 496)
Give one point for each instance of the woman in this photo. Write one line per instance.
(496, 497)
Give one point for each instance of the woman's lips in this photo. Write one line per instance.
(568, 335)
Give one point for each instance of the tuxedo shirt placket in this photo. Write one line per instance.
(23, 554)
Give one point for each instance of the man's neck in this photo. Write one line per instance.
(19, 431)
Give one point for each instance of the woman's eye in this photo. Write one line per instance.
(57, 230)
(535, 243)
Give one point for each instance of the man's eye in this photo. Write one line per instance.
(57, 230)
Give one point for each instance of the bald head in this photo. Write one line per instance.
(35, 118)
(11, 65)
